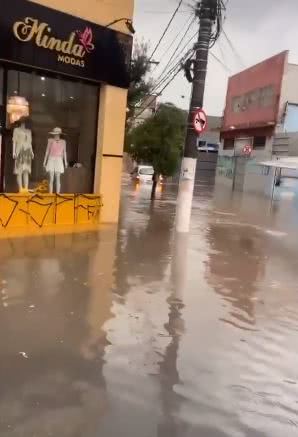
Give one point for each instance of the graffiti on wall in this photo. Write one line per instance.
(39, 210)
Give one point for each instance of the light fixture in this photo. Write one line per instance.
(42, 78)
(15, 92)
(232, 127)
(71, 97)
(43, 95)
(17, 107)
(128, 23)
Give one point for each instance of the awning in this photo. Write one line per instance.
(289, 163)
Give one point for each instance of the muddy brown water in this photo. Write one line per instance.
(136, 332)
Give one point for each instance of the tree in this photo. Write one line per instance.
(159, 141)
(140, 85)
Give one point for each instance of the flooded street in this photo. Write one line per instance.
(134, 331)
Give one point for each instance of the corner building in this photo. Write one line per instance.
(62, 67)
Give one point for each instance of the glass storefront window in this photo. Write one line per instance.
(2, 112)
(52, 103)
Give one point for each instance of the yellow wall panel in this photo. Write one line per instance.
(21, 213)
(41, 210)
(110, 187)
(13, 210)
(65, 212)
(87, 209)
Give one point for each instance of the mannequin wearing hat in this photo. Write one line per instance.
(22, 154)
(55, 160)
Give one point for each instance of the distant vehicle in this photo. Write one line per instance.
(207, 147)
(143, 174)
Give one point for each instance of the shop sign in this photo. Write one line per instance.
(71, 51)
(40, 37)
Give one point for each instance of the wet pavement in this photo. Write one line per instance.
(134, 331)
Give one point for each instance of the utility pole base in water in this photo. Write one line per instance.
(185, 195)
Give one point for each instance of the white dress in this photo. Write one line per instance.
(22, 140)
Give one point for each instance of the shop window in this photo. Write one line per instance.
(1, 86)
(52, 102)
(229, 143)
(259, 142)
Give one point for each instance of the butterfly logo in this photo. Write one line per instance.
(86, 38)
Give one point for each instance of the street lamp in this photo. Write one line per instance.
(128, 23)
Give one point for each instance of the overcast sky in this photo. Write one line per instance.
(258, 29)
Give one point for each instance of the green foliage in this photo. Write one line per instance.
(139, 84)
(159, 140)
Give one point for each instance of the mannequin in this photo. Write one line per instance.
(55, 160)
(22, 154)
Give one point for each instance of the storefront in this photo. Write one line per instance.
(60, 75)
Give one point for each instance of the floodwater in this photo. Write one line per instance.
(134, 331)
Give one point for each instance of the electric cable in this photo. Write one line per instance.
(166, 29)
(159, 93)
(172, 70)
(164, 73)
(178, 46)
(190, 18)
(220, 62)
(236, 54)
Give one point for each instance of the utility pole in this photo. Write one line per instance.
(206, 11)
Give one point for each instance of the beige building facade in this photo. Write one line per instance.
(87, 73)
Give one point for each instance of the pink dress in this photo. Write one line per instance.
(55, 162)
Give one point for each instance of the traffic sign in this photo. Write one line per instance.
(200, 121)
(247, 150)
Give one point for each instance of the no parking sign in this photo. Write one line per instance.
(247, 150)
(200, 121)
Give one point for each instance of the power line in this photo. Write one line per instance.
(180, 62)
(178, 46)
(220, 62)
(168, 79)
(163, 12)
(166, 29)
(160, 92)
(233, 49)
(161, 78)
(173, 42)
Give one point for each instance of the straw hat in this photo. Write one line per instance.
(56, 131)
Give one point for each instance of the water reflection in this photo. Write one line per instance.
(171, 424)
(57, 387)
(144, 333)
(235, 269)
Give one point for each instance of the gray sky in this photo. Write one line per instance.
(258, 29)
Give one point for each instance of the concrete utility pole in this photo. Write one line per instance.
(206, 10)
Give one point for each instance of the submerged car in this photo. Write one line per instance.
(143, 174)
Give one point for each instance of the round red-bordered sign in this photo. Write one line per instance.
(247, 150)
(200, 121)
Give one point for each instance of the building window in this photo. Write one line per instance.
(53, 102)
(229, 143)
(260, 97)
(267, 96)
(259, 142)
(237, 104)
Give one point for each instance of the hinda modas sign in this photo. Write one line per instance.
(40, 37)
